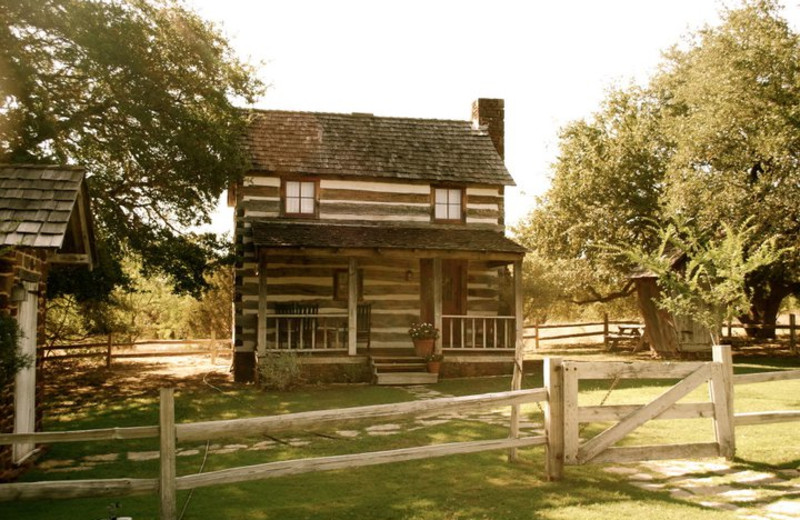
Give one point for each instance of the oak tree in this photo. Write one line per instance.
(141, 93)
(714, 137)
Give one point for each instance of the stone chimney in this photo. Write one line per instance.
(491, 113)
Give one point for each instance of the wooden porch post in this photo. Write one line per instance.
(437, 301)
(519, 351)
(352, 306)
(262, 304)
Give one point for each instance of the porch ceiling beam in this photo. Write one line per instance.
(506, 258)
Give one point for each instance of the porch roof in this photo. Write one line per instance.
(292, 235)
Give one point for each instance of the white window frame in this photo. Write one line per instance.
(448, 204)
(300, 197)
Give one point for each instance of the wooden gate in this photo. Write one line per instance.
(600, 448)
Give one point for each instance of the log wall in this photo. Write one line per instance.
(349, 201)
(393, 293)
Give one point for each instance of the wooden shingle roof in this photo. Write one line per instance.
(362, 145)
(272, 234)
(36, 202)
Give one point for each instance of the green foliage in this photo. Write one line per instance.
(211, 313)
(11, 359)
(550, 286)
(146, 307)
(605, 189)
(702, 276)
(279, 371)
(140, 93)
(712, 138)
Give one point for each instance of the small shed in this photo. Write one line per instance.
(45, 224)
(668, 334)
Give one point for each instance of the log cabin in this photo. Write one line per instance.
(351, 227)
(45, 224)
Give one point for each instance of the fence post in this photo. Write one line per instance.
(536, 335)
(569, 381)
(554, 418)
(605, 331)
(213, 347)
(108, 350)
(792, 334)
(167, 481)
(722, 397)
(519, 355)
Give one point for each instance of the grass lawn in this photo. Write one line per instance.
(457, 487)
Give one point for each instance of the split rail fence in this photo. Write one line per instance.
(599, 329)
(562, 440)
(109, 350)
(602, 331)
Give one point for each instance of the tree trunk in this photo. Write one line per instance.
(764, 308)
(660, 330)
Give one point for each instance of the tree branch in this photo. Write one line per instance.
(626, 291)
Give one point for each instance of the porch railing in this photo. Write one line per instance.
(478, 332)
(307, 332)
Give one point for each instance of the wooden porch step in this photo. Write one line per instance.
(406, 378)
(401, 369)
(412, 366)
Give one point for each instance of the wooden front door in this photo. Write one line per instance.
(454, 296)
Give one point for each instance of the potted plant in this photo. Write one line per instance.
(434, 362)
(424, 336)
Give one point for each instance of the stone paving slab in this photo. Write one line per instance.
(749, 494)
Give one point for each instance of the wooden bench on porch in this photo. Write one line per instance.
(301, 326)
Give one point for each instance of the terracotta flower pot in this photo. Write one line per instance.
(423, 347)
(434, 367)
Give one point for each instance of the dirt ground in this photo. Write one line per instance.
(70, 384)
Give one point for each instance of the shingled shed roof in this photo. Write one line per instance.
(364, 145)
(36, 203)
(278, 235)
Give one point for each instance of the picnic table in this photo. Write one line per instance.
(626, 332)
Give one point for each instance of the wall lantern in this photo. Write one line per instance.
(18, 293)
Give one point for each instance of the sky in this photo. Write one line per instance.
(551, 61)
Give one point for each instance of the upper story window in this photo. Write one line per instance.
(448, 204)
(300, 198)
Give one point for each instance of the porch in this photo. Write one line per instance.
(307, 330)
(358, 294)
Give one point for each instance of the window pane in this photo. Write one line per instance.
(292, 189)
(441, 211)
(307, 189)
(455, 197)
(441, 196)
(454, 212)
(292, 205)
(306, 205)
